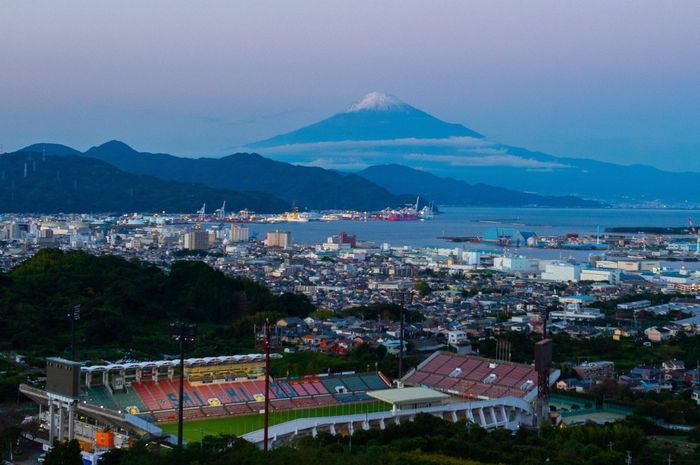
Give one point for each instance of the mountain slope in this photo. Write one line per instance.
(51, 149)
(377, 116)
(382, 130)
(78, 184)
(402, 179)
(307, 187)
(310, 187)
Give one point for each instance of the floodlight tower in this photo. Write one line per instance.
(543, 362)
(181, 332)
(268, 342)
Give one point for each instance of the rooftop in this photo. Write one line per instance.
(408, 395)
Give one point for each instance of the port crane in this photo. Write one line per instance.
(202, 212)
(695, 232)
(221, 212)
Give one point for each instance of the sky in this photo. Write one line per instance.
(615, 81)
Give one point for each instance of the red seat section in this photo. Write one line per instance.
(474, 376)
(146, 397)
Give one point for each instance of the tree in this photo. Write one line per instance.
(64, 453)
(423, 287)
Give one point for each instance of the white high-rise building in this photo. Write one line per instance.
(197, 240)
(239, 233)
(280, 239)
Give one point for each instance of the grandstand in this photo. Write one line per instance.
(215, 386)
(226, 394)
(474, 377)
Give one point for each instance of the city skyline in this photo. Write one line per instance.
(607, 82)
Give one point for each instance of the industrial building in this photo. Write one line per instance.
(562, 272)
(508, 236)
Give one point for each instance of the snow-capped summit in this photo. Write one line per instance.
(378, 101)
(376, 116)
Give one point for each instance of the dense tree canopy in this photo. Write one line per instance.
(127, 305)
(431, 441)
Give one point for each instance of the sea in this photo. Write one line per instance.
(473, 221)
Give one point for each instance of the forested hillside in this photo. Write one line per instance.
(128, 305)
(432, 441)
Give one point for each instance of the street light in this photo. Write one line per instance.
(401, 298)
(181, 332)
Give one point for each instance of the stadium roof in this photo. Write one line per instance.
(189, 362)
(409, 395)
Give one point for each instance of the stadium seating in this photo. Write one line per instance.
(473, 376)
(159, 401)
(149, 401)
(343, 398)
(287, 388)
(204, 392)
(165, 416)
(238, 409)
(214, 411)
(226, 393)
(256, 406)
(325, 400)
(129, 398)
(319, 387)
(374, 381)
(354, 383)
(352, 397)
(299, 389)
(172, 390)
(304, 402)
(162, 401)
(99, 395)
(279, 393)
(332, 384)
(281, 404)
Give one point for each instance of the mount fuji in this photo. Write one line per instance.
(376, 116)
(381, 129)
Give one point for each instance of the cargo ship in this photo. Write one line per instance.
(408, 213)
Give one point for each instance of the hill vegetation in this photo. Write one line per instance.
(126, 306)
(30, 182)
(430, 441)
(307, 187)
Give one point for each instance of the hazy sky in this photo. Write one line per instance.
(611, 80)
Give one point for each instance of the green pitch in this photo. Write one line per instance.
(194, 430)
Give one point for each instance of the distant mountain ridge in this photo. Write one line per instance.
(305, 187)
(380, 129)
(400, 179)
(33, 182)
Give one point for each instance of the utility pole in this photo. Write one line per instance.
(181, 332)
(401, 298)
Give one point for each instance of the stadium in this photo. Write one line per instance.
(112, 405)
